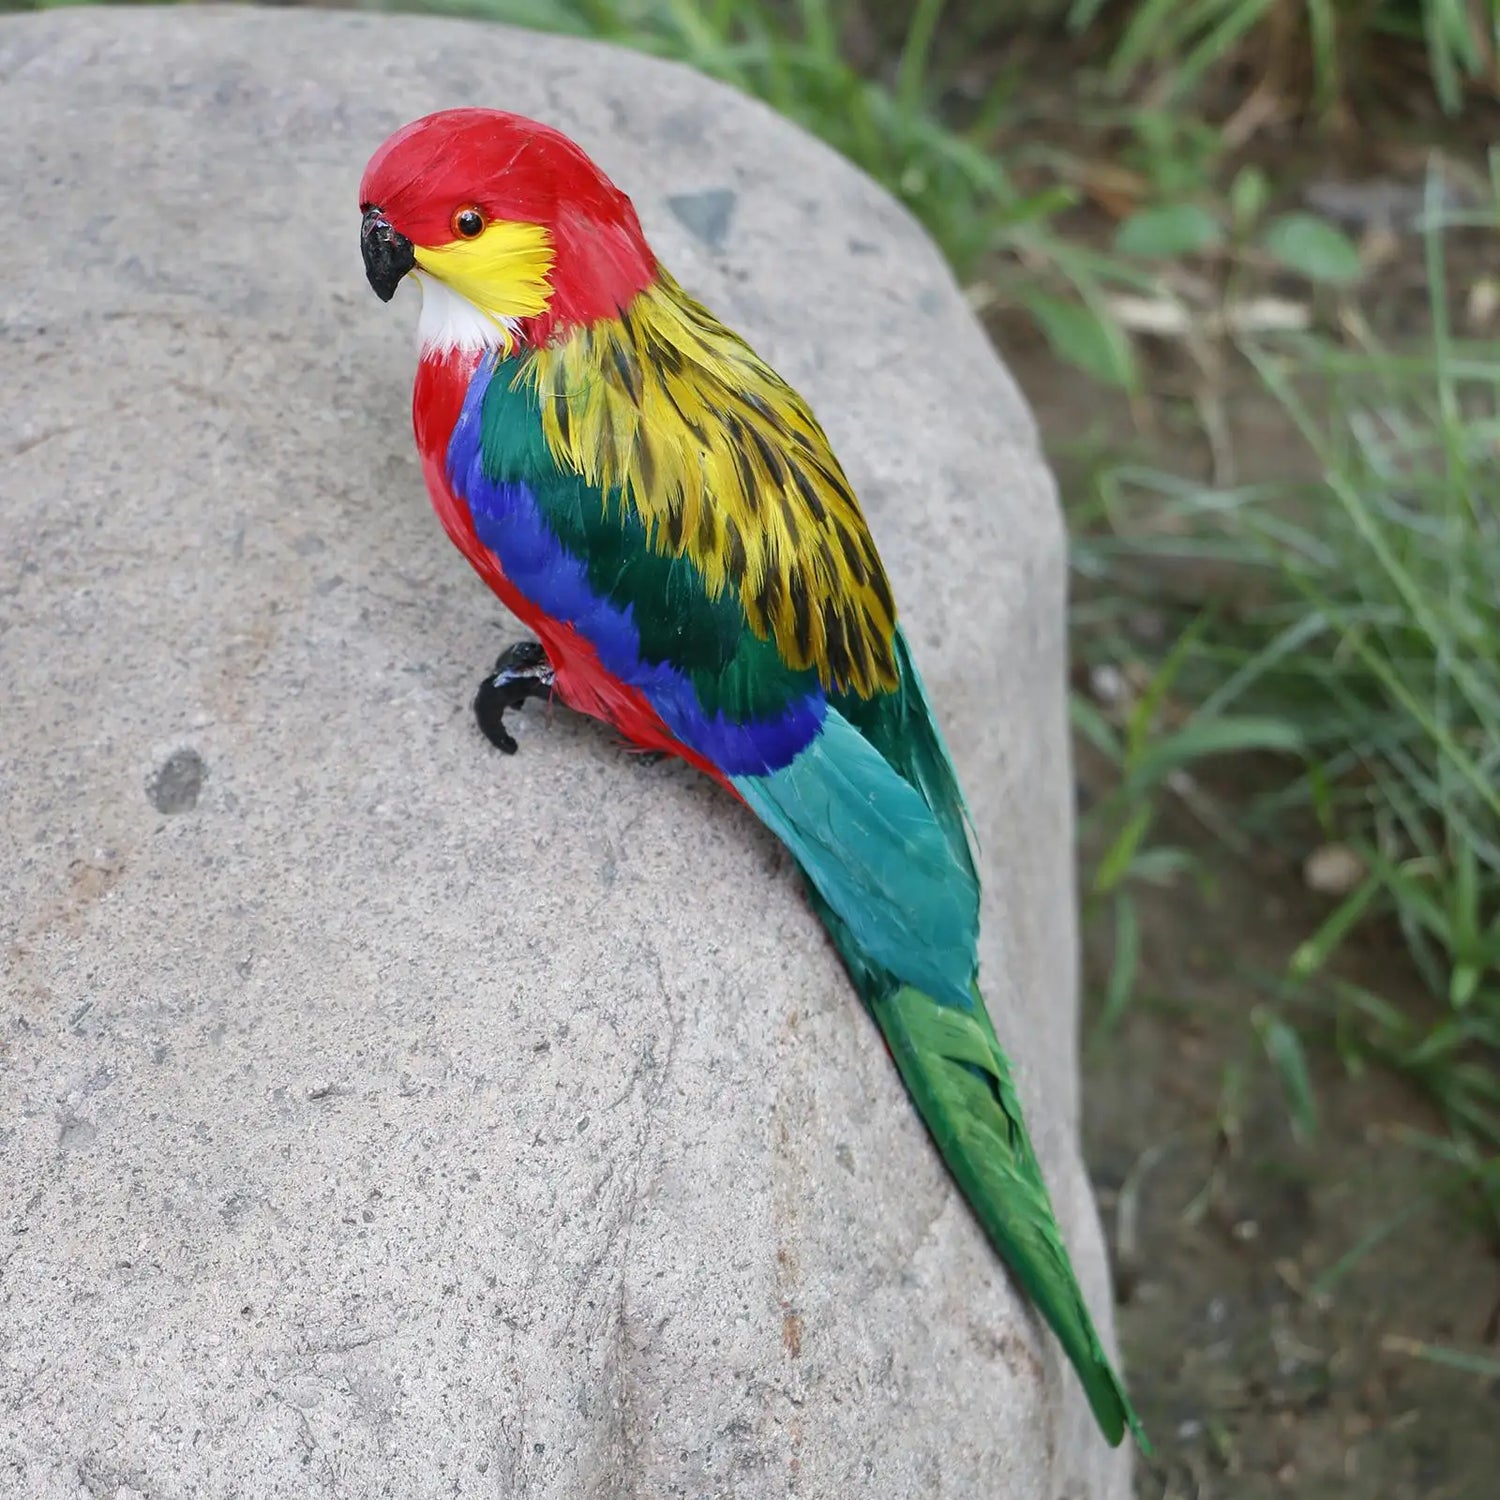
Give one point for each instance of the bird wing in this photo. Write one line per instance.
(812, 712)
(724, 464)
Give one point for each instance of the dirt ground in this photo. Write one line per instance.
(1255, 1381)
(1254, 1377)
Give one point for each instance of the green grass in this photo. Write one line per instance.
(1176, 44)
(1360, 640)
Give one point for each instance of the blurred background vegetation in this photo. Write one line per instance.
(1241, 255)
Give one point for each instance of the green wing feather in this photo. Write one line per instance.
(903, 728)
(678, 616)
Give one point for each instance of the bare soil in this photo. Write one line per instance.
(1255, 1381)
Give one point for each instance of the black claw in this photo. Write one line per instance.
(520, 672)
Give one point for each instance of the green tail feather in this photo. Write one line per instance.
(959, 1080)
(951, 1063)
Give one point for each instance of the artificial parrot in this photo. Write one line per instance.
(666, 515)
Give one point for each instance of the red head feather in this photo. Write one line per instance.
(513, 168)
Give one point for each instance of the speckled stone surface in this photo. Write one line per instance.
(380, 1116)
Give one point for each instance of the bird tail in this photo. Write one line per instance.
(960, 1082)
(872, 812)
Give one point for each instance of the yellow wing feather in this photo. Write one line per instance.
(723, 461)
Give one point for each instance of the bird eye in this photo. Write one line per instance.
(467, 223)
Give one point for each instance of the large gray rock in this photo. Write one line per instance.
(378, 1115)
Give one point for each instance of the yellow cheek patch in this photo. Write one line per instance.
(502, 271)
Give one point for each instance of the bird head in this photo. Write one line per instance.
(514, 234)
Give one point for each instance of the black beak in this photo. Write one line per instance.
(388, 253)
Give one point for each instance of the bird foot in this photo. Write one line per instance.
(520, 672)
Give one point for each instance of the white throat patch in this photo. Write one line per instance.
(450, 322)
